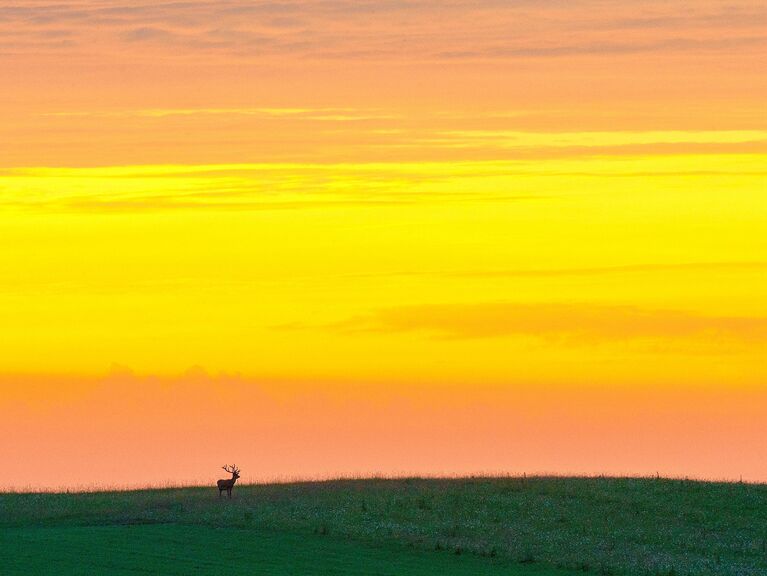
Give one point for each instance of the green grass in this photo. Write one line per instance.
(513, 526)
(175, 549)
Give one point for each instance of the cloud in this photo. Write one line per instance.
(578, 323)
(277, 186)
(389, 30)
(148, 33)
(611, 270)
(616, 142)
(589, 48)
(298, 114)
(732, 18)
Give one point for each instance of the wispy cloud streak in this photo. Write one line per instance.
(578, 323)
(392, 29)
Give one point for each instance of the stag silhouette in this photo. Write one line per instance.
(228, 484)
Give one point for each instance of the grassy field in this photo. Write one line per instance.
(172, 549)
(513, 526)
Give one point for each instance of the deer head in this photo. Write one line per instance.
(233, 470)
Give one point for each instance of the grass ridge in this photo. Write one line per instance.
(601, 525)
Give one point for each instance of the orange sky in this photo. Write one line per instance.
(399, 236)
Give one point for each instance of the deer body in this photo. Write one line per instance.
(228, 484)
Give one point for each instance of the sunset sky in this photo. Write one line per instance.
(357, 237)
